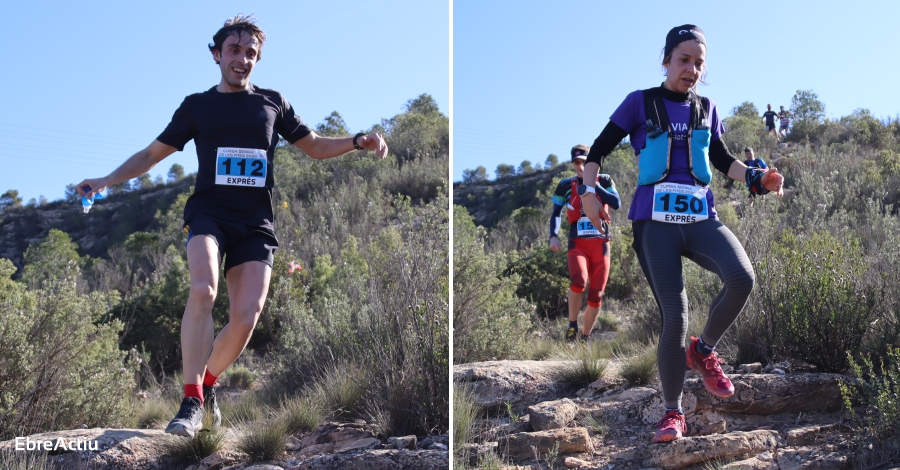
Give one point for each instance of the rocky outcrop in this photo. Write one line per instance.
(101, 448)
(128, 212)
(382, 459)
(520, 383)
(563, 441)
(694, 450)
(777, 419)
(551, 414)
(755, 394)
(330, 446)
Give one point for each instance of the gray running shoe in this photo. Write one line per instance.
(189, 419)
(211, 406)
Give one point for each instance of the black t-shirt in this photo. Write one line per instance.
(770, 117)
(235, 135)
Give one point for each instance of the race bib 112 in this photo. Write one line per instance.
(241, 167)
(679, 203)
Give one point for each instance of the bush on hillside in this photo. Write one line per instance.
(60, 353)
(384, 303)
(489, 320)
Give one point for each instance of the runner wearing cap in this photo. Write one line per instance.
(676, 136)
(753, 162)
(588, 243)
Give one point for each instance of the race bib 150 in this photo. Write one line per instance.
(679, 203)
(241, 167)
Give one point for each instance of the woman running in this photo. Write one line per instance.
(676, 136)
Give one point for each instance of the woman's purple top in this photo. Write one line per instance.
(631, 117)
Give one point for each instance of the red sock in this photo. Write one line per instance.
(194, 390)
(209, 380)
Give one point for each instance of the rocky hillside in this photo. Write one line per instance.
(777, 419)
(491, 201)
(109, 222)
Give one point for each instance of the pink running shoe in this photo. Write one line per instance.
(671, 427)
(708, 366)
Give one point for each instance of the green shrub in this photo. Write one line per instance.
(300, 414)
(341, 390)
(240, 376)
(262, 441)
(59, 354)
(380, 300)
(598, 425)
(154, 413)
(641, 368)
(876, 389)
(248, 408)
(607, 321)
(543, 280)
(465, 415)
(194, 449)
(540, 348)
(817, 304)
(489, 320)
(589, 362)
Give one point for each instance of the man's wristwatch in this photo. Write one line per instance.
(584, 189)
(355, 138)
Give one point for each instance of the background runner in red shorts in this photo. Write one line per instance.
(588, 245)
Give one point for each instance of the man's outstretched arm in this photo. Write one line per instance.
(321, 148)
(135, 166)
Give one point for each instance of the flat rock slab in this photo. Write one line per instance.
(695, 450)
(381, 459)
(570, 440)
(766, 462)
(551, 414)
(808, 458)
(767, 394)
(520, 383)
(116, 448)
(808, 435)
(755, 394)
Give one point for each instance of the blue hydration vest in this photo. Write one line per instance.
(655, 158)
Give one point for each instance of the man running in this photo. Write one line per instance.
(588, 245)
(784, 116)
(235, 126)
(753, 162)
(769, 117)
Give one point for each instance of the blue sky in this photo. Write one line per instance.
(533, 78)
(90, 83)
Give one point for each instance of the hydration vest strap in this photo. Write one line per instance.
(655, 109)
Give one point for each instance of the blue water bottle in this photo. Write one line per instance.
(87, 202)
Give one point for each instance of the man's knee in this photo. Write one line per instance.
(243, 321)
(203, 294)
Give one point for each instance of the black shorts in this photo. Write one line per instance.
(238, 243)
(770, 128)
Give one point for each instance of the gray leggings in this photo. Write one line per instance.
(713, 247)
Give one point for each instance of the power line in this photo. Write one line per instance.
(57, 131)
